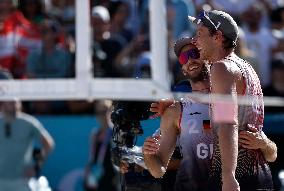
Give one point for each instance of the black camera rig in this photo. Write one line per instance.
(127, 117)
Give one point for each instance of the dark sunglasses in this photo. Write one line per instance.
(186, 55)
(205, 19)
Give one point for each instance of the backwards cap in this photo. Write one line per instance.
(218, 20)
(101, 12)
(180, 43)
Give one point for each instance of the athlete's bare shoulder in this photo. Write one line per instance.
(172, 114)
(227, 68)
(224, 76)
(174, 109)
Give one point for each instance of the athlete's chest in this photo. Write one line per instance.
(195, 119)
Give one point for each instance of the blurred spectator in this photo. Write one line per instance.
(178, 10)
(244, 52)
(20, 32)
(105, 48)
(68, 17)
(18, 131)
(51, 61)
(237, 7)
(30, 16)
(133, 22)
(277, 18)
(8, 51)
(64, 12)
(277, 85)
(134, 59)
(119, 12)
(33, 10)
(100, 174)
(260, 40)
(143, 67)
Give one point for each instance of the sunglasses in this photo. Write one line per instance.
(186, 55)
(205, 19)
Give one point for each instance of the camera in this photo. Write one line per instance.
(127, 117)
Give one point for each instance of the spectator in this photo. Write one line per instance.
(134, 59)
(8, 24)
(68, 17)
(244, 52)
(178, 10)
(237, 7)
(30, 16)
(18, 131)
(143, 67)
(119, 12)
(277, 85)
(100, 174)
(259, 40)
(32, 10)
(51, 61)
(105, 48)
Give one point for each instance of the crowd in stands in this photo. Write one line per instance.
(37, 40)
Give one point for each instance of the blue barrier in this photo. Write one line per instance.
(72, 137)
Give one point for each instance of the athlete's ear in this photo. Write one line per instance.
(218, 36)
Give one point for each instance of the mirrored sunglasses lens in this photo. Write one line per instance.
(183, 57)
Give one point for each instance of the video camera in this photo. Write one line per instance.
(126, 117)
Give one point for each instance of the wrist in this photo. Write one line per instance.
(228, 175)
(265, 141)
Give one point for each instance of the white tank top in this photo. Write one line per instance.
(197, 146)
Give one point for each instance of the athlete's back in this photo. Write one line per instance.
(252, 171)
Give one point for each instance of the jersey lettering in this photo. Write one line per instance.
(193, 128)
(204, 151)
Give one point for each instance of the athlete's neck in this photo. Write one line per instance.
(219, 54)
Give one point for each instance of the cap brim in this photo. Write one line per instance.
(180, 43)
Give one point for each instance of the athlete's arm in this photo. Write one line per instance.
(254, 139)
(157, 152)
(223, 82)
